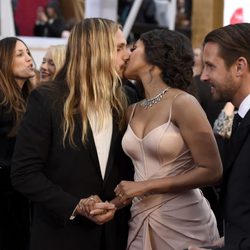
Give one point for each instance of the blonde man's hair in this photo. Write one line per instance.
(91, 75)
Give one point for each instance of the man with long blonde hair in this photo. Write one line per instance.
(68, 158)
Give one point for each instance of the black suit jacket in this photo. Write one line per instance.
(55, 177)
(14, 207)
(236, 189)
(7, 144)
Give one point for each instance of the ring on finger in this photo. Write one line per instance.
(91, 198)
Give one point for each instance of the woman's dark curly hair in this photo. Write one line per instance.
(172, 52)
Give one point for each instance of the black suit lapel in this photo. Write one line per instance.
(90, 146)
(92, 149)
(237, 141)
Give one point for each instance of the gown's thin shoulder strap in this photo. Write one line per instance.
(170, 112)
(132, 113)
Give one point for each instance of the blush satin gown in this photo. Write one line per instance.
(170, 220)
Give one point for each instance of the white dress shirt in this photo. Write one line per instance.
(102, 138)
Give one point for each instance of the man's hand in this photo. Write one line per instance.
(120, 204)
(102, 212)
(94, 209)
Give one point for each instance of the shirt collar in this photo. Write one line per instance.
(244, 107)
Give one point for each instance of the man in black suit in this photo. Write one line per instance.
(226, 57)
(68, 157)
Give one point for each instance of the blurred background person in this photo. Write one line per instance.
(145, 19)
(68, 27)
(49, 23)
(16, 69)
(183, 17)
(197, 68)
(52, 62)
(146, 14)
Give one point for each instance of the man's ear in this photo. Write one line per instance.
(241, 65)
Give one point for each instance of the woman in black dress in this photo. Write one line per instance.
(16, 68)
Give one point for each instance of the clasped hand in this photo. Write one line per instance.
(127, 190)
(96, 210)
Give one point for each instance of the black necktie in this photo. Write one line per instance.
(236, 122)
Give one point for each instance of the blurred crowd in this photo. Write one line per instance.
(49, 20)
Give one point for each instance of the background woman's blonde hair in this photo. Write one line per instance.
(58, 53)
(91, 75)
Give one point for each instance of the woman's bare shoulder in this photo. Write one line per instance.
(182, 99)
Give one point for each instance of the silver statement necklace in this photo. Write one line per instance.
(147, 103)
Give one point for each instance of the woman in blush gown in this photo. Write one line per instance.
(172, 147)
